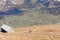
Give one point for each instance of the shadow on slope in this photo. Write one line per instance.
(57, 3)
(54, 11)
(13, 11)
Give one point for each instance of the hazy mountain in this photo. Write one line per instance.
(8, 5)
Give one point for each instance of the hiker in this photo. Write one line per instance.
(29, 31)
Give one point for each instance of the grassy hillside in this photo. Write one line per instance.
(31, 19)
(34, 14)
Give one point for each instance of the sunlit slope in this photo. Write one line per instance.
(46, 32)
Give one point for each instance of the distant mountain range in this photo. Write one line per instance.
(26, 4)
(3, 2)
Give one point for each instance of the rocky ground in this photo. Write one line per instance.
(43, 32)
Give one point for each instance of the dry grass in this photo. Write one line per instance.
(46, 32)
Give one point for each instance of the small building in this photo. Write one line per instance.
(5, 29)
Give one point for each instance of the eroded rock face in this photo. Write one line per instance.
(18, 2)
(2, 4)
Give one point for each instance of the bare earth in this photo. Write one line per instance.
(46, 32)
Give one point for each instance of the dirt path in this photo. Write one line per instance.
(46, 32)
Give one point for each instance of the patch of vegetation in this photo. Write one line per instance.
(33, 15)
(31, 19)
